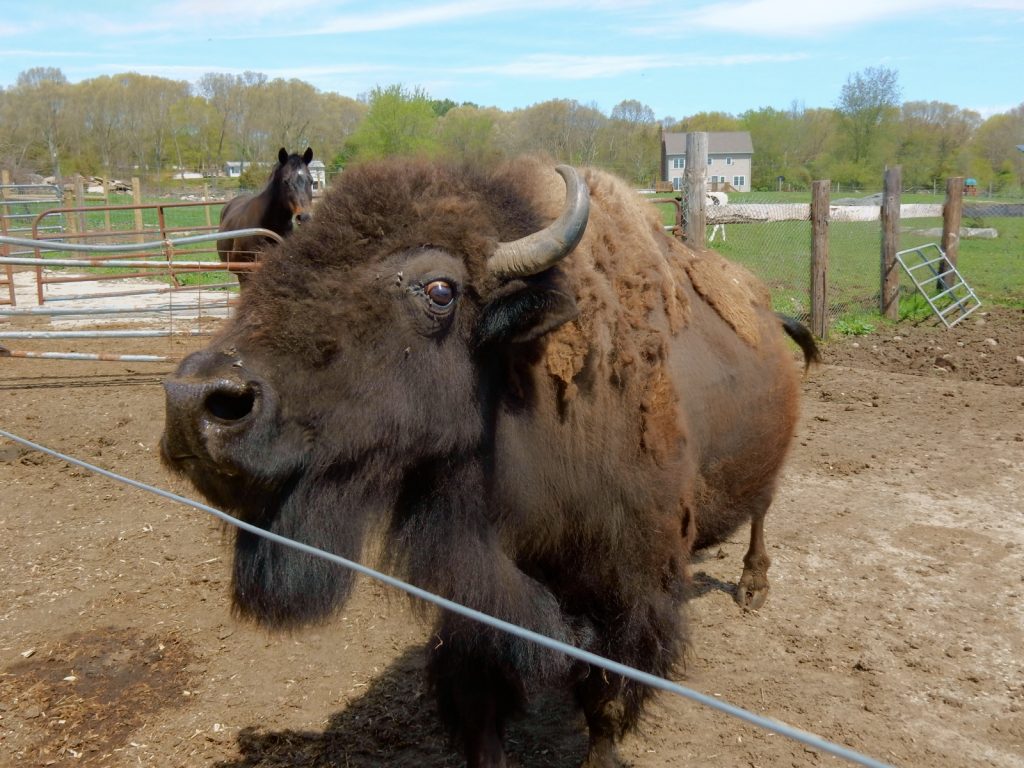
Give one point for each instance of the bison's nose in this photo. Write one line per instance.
(225, 400)
(304, 217)
(203, 416)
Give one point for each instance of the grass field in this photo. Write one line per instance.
(779, 253)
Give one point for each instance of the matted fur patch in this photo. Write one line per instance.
(732, 290)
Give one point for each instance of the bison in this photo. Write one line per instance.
(528, 396)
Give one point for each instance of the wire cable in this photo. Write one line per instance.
(775, 726)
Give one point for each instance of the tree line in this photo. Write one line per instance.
(132, 124)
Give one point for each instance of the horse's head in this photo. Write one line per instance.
(295, 184)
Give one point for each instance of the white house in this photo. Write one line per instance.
(730, 157)
(318, 171)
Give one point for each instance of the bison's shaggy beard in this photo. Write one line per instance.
(281, 587)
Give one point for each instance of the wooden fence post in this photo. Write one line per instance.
(106, 202)
(137, 200)
(5, 181)
(79, 217)
(952, 213)
(820, 197)
(890, 214)
(696, 189)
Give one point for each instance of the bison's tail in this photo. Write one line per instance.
(801, 334)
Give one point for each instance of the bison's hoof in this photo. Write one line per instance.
(601, 759)
(751, 592)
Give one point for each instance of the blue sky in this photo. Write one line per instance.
(677, 57)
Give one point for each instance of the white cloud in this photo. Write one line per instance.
(394, 17)
(807, 18)
(566, 67)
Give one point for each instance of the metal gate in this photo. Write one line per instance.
(20, 205)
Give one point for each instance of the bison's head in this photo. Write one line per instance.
(370, 346)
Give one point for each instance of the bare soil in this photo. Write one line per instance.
(895, 624)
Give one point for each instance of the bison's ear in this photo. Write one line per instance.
(523, 314)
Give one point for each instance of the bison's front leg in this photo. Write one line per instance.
(479, 674)
(476, 694)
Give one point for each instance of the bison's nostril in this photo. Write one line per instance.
(231, 405)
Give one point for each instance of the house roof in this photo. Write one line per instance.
(719, 143)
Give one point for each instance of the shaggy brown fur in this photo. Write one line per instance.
(547, 449)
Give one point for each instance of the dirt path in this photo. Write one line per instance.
(895, 624)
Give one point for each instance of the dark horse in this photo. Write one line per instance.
(287, 196)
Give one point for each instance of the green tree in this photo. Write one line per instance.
(632, 147)
(41, 94)
(100, 115)
(933, 137)
(236, 99)
(709, 122)
(563, 128)
(867, 103)
(336, 119)
(288, 109)
(790, 143)
(995, 158)
(773, 135)
(398, 122)
(190, 119)
(442, 107)
(467, 134)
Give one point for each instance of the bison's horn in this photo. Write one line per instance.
(535, 253)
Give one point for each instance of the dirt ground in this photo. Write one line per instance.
(895, 624)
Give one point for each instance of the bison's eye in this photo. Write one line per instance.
(441, 295)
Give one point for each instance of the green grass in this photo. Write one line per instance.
(779, 253)
(178, 219)
(854, 325)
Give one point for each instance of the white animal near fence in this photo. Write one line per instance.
(716, 198)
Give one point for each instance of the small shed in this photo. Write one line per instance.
(971, 187)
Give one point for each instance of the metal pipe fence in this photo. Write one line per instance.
(19, 207)
(173, 300)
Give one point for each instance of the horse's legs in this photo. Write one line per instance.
(752, 590)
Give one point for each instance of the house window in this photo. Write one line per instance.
(677, 183)
(678, 162)
(739, 181)
(728, 161)
(709, 160)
